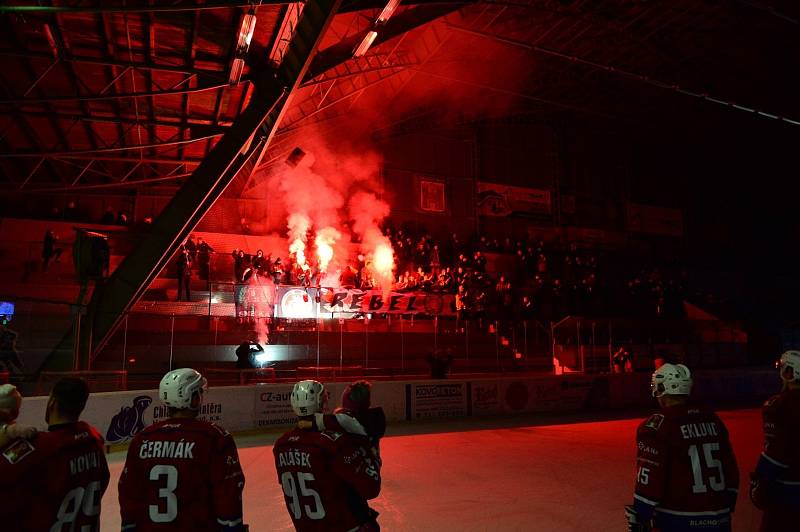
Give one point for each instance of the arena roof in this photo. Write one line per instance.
(118, 94)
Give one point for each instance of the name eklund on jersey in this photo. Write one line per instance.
(293, 457)
(166, 449)
(698, 430)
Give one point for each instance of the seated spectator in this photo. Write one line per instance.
(49, 249)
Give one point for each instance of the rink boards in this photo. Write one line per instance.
(120, 415)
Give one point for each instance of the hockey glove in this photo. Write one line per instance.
(634, 525)
(759, 491)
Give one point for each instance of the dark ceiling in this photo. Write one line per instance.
(118, 94)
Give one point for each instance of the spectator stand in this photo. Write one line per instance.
(586, 345)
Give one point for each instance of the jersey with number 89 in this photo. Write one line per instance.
(686, 471)
(326, 478)
(55, 482)
(181, 474)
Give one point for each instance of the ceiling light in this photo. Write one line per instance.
(365, 44)
(246, 29)
(388, 11)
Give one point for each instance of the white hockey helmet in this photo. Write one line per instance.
(308, 398)
(178, 387)
(790, 359)
(10, 399)
(671, 379)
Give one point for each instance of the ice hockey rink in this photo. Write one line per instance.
(533, 474)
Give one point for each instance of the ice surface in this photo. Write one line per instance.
(532, 475)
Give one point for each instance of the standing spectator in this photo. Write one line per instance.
(71, 211)
(525, 310)
(203, 258)
(462, 306)
(260, 262)
(56, 480)
(775, 485)
(182, 473)
(9, 355)
(479, 262)
(108, 217)
(440, 362)
(277, 271)
(622, 361)
(503, 299)
(337, 468)
(348, 277)
(245, 354)
(184, 268)
(686, 474)
(244, 226)
(435, 262)
(237, 265)
(541, 264)
(49, 249)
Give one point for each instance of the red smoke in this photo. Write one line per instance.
(314, 192)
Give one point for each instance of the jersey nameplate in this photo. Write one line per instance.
(654, 422)
(17, 451)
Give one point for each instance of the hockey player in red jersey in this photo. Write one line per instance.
(327, 477)
(355, 416)
(686, 474)
(56, 480)
(775, 485)
(182, 473)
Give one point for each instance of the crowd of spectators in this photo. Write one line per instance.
(525, 279)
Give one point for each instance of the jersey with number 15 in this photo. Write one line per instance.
(182, 474)
(686, 469)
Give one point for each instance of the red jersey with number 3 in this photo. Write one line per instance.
(54, 482)
(326, 478)
(181, 474)
(685, 464)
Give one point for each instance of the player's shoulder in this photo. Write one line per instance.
(86, 432)
(182, 425)
(653, 424)
(773, 403)
(67, 436)
(784, 404)
(325, 440)
(19, 453)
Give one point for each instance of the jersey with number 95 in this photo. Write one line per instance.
(326, 478)
(685, 469)
(182, 474)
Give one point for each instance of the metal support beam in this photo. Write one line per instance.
(163, 119)
(634, 76)
(100, 8)
(251, 131)
(397, 25)
(77, 153)
(118, 96)
(138, 65)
